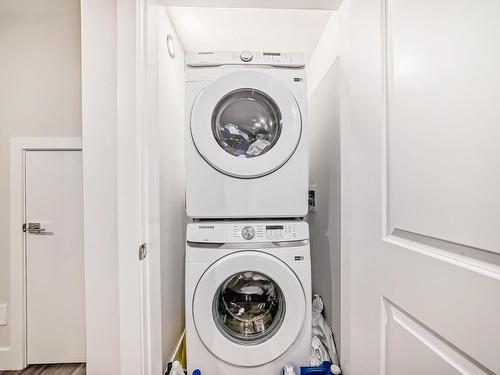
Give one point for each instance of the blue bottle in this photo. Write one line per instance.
(196, 372)
(326, 368)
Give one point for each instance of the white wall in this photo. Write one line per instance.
(99, 108)
(40, 91)
(172, 212)
(325, 53)
(323, 73)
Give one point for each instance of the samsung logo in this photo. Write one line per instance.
(206, 226)
(205, 53)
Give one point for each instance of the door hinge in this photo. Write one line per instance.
(143, 251)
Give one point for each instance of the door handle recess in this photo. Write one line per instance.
(35, 228)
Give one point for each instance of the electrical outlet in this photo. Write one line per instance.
(313, 198)
(3, 315)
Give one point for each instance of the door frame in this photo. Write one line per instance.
(124, 293)
(16, 358)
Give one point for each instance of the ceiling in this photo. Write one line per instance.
(235, 29)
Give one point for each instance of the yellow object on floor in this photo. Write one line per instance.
(180, 354)
(183, 353)
(183, 358)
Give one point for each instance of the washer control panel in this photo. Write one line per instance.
(265, 232)
(236, 231)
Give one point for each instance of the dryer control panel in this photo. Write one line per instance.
(279, 59)
(256, 231)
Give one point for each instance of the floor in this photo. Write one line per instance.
(57, 369)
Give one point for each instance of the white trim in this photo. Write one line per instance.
(131, 83)
(14, 357)
(115, 108)
(151, 291)
(99, 129)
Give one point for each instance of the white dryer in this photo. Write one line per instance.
(246, 135)
(248, 297)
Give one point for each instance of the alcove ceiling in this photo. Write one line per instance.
(257, 29)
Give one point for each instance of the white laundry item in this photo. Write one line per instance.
(252, 289)
(176, 369)
(321, 330)
(319, 353)
(257, 147)
(233, 129)
(289, 370)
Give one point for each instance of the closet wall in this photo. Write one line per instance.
(323, 90)
(40, 96)
(171, 83)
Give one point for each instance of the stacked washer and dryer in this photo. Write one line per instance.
(248, 268)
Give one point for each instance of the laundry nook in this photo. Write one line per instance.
(248, 289)
(248, 271)
(249, 187)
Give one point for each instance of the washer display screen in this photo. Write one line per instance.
(248, 308)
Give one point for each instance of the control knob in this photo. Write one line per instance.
(248, 233)
(246, 56)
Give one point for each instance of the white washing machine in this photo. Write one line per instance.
(246, 135)
(248, 297)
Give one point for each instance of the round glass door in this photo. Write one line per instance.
(242, 308)
(248, 308)
(246, 123)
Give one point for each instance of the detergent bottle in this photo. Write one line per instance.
(326, 368)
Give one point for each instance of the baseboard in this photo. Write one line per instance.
(6, 359)
(11, 359)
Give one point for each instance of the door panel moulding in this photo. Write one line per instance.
(270, 4)
(13, 357)
(473, 259)
(437, 344)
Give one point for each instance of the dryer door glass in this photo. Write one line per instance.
(246, 123)
(249, 308)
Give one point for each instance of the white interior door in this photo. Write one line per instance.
(55, 295)
(421, 187)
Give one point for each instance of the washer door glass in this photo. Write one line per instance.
(246, 123)
(248, 308)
